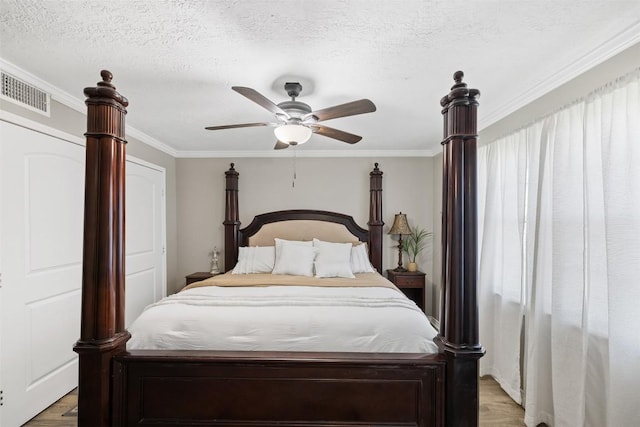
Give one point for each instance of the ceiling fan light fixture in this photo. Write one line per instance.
(293, 134)
(296, 121)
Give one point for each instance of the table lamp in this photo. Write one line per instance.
(400, 227)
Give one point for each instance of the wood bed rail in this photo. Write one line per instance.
(458, 337)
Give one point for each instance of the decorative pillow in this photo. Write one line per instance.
(333, 259)
(281, 242)
(255, 259)
(360, 259)
(294, 259)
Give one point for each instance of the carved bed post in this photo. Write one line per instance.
(375, 218)
(458, 337)
(102, 323)
(231, 219)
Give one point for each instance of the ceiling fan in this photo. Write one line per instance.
(296, 121)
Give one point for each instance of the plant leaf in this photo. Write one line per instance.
(415, 242)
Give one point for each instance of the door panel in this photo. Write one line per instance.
(54, 209)
(49, 348)
(145, 277)
(140, 293)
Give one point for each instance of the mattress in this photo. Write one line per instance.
(288, 317)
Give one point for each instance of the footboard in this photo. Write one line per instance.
(174, 388)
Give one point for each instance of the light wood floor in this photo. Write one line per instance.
(496, 409)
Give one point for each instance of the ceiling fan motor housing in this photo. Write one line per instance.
(295, 109)
(293, 89)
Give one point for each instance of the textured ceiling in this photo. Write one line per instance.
(177, 60)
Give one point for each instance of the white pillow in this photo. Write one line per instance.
(281, 242)
(360, 259)
(333, 259)
(255, 260)
(294, 259)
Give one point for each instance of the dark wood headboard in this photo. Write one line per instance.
(236, 237)
(261, 220)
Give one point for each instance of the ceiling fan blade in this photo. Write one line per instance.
(241, 125)
(260, 99)
(340, 135)
(280, 145)
(343, 110)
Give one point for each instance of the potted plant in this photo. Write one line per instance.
(414, 244)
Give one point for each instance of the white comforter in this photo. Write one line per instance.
(285, 318)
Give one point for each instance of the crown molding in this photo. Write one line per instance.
(623, 40)
(39, 127)
(78, 105)
(308, 153)
(151, 141)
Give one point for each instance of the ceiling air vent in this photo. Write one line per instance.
(24, 94)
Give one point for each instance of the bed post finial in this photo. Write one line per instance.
(231, 219)
(458, 336)
(102, 332)
(375, 218)
(106, 78)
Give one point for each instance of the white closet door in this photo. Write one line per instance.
(41, 226)
(42, 221)
(144, 245)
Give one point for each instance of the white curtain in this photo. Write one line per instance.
(503, 177)
(559, 217)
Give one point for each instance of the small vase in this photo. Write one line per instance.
(412, 266)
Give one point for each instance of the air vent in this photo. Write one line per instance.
(24, 94)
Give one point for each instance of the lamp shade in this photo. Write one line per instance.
(292, 134)
(400, 225)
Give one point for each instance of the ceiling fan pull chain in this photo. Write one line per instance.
(295, 157)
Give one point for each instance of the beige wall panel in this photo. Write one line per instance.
(433, 282)
(333, 184)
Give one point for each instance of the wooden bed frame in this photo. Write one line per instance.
(174, 388)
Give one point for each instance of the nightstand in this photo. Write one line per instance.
(411, 283)
(196, 277)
